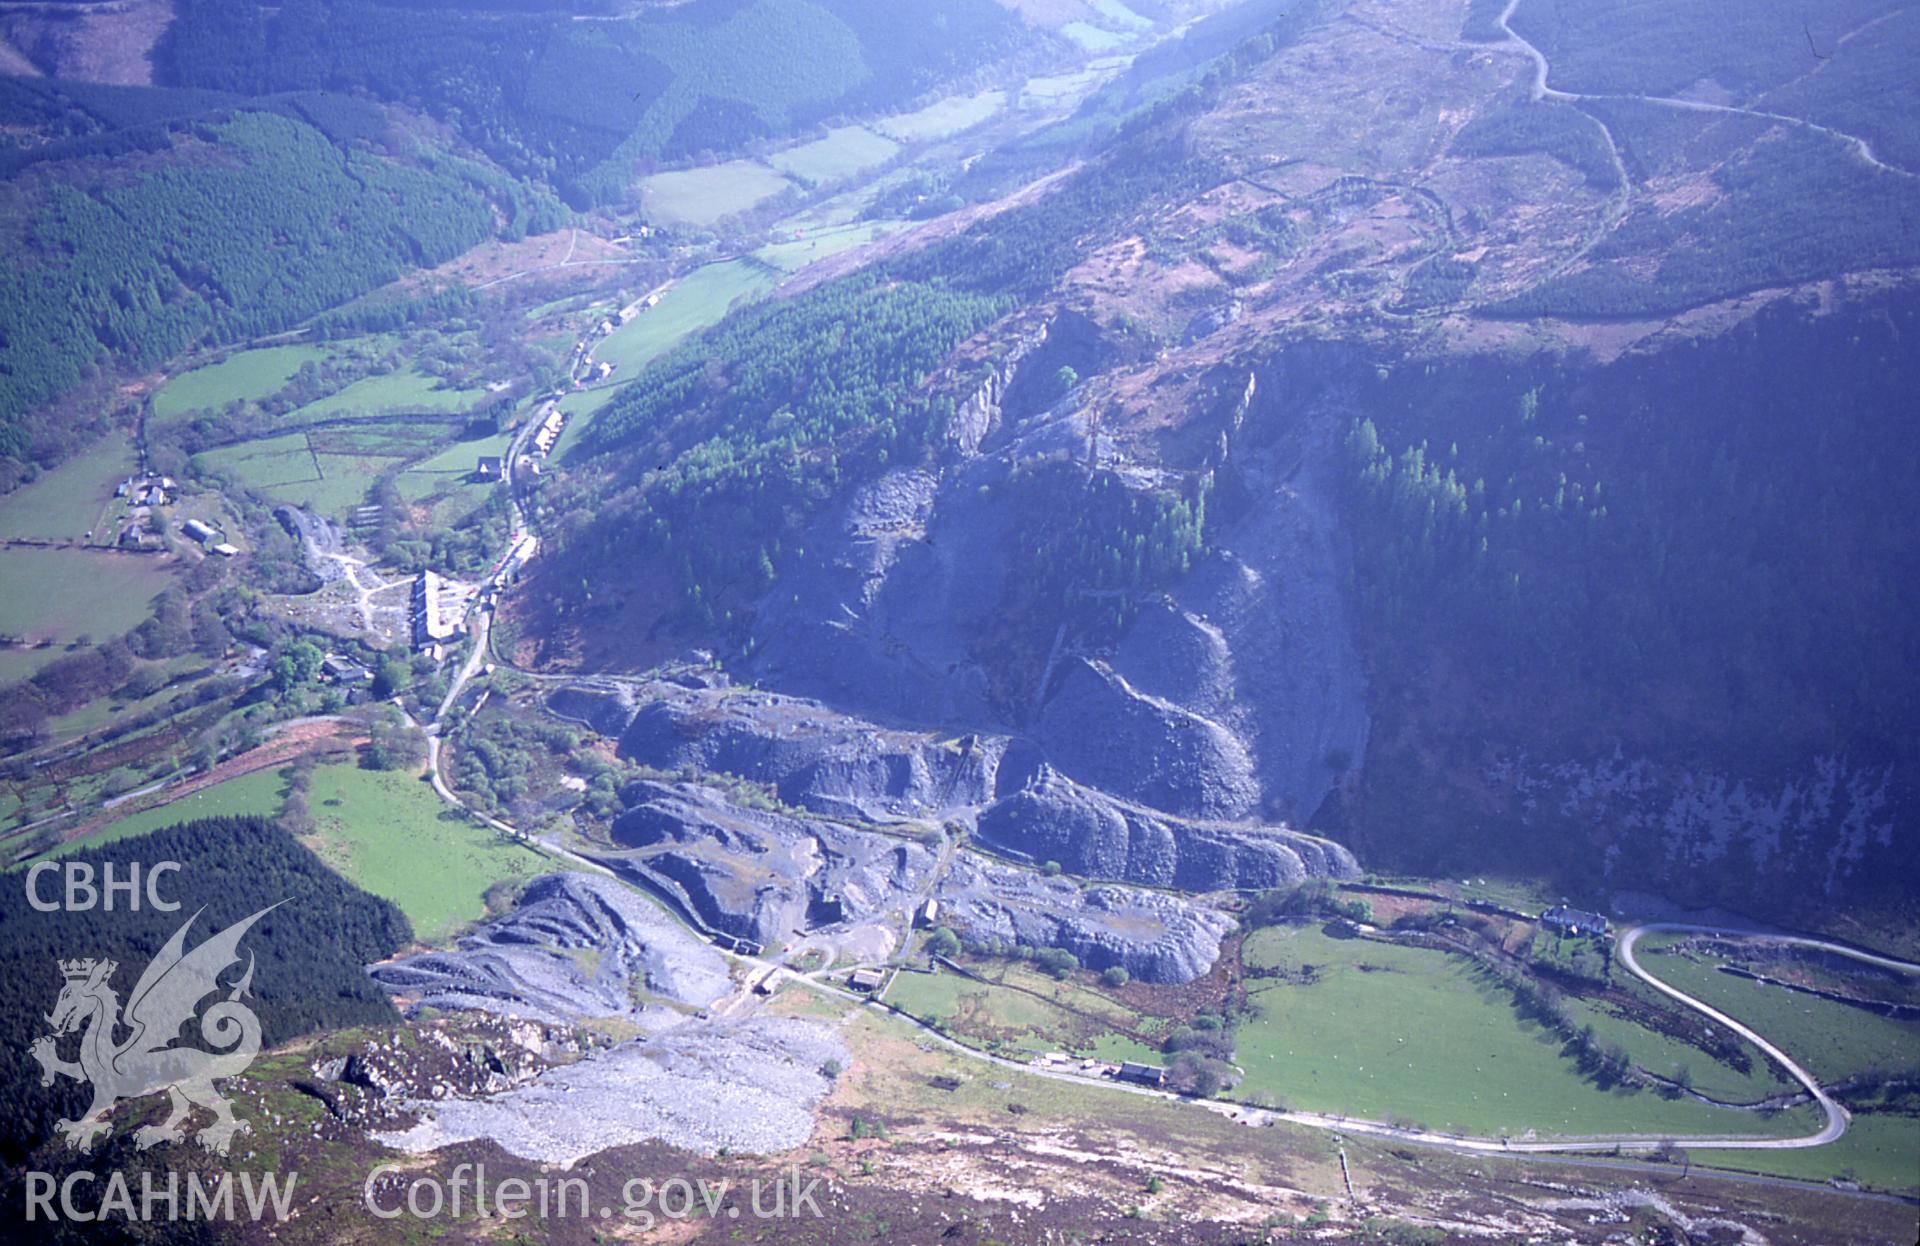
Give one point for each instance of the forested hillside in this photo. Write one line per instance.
(214, 229)
(587, 104)
(705, 470)
(1701, 554)
(309, 954)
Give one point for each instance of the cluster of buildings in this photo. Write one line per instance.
(142, 494)
(551, 425)
(148, 490)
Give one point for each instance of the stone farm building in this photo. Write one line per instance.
(1570, 921)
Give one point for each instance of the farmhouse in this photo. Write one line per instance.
(1144, 1074)
(868, 980)
(1569, 921)
(489, 467)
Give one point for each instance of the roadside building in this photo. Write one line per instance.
(1571, 921)
(868, 980)
(489, 468)
(431, 628)
(1142, 1074)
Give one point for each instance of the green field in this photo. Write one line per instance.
(1880, 1151)
(73, 498)
(64, 594)
(402, 391)
(1092, 38)
(797, 253)
(842, 153)
(943, 117)
(447, 480)
(388, 833)
(1662, 1054)
(248, 375)
(265, 464)
(1059, 88)
(383, 830)
(707, 195)
(1392, 1032)
(329, 472)
(999, 1017)
(1120, 15)
(695, 301)
(1831, 1040)
(259, 793)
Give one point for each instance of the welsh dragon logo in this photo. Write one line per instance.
(165, 999)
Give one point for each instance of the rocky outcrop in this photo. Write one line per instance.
(1818, 825)
(1104, 732)
(758, 874)
(576, 946)
(1167, 801)
(1154, 936)
(1092, 834)
(770, 876)
(811, 756)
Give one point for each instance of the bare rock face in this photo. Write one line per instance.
(1154, 936)
(1105, 732)
(1052, 818)
(756, 874)
(811, 756)
(573, 948)
(1182, 817)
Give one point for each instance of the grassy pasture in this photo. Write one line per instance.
(326, 471)
(382, 830)
(1661, 1054)
(695, 301)
(1831, 1040)
(387, 833)
(266, 464)
(1389, 1031)
(73, 498)
(403, 391)
(706, 195)
(63, 594)
(993, 1015)
(943, 117)
(445, 480)
(258, 794)
(1120, 15)
(795, 254)
(842, 153)
(247, 375)
(1878, 1150)
(1048, 89)
(1092, 38)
